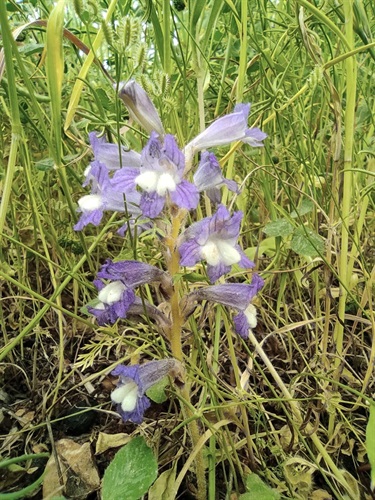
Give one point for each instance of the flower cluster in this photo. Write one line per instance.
(145, 185)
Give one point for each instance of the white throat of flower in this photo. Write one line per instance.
(90, 202)
(217, 251)
(151, 182)
(111, 293)
(251, 316)
(126, 395)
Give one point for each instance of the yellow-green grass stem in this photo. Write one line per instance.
(346, 199)
(14, 116)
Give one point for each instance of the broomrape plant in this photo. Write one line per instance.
(150, 184)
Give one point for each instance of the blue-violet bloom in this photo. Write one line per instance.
(113, 156)
(209, 177)
(140, 106)
(116, 297)
(135, 380)
(160, 174)
(104, 197)
(235, 295)
(214, 239)
(227, 129)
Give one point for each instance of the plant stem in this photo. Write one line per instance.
(346, 200)
(173, 259)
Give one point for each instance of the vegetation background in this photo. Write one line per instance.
(307, 67)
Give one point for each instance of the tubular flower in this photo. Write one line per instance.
(227, 129)
(134, 381)
(160, 174)
(113, 156)
(214, 239)
(104, 197)
(116, 297)
(209, 177)
(140, 107)
(235, 295)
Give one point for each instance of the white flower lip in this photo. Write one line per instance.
(111, 293)
(216, 251)
(251, 315)
(160, 183)
(126, 395)
(147, 180)
(165, 183)
(90, 202)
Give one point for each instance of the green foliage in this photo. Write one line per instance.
(157, 392)
(370, 442)
(131, 472)
(256, 488)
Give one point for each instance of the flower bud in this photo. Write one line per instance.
(140, 107)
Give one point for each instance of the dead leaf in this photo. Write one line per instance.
(79, 476)
(164, 487)
(107, 441)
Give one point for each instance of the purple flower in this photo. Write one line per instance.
(93, 206)
(214, 239)
(135, 380)
(209, 177)
(104, 197)
(235, 295)
(113, 156)
(229, 128)
(116, 297)
(160, 175)
(140, 107)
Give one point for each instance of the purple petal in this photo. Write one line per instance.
(111, 313)
(241, 325)
(189, 253)
(245, 261)
(173, 153)
(123, 180)
(236, 295)
(140, 107)
(113, 156)
(97, 175)
(215, 272)
(186, 195)
(254, 137)
(151, 154)
(223, 131)
(86, 218)
(152, 204)
(136, 415)
(130, 272)
(209, 173)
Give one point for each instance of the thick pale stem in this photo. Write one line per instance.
(173, 263)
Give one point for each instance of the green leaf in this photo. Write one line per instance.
(305, 208)
(131, 472)
(258, 489)
(370, 442)
(279, 227)
(156, 392)
(307, 243)
(45, 165)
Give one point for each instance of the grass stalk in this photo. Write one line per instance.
(16, 136)
(346, 200)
